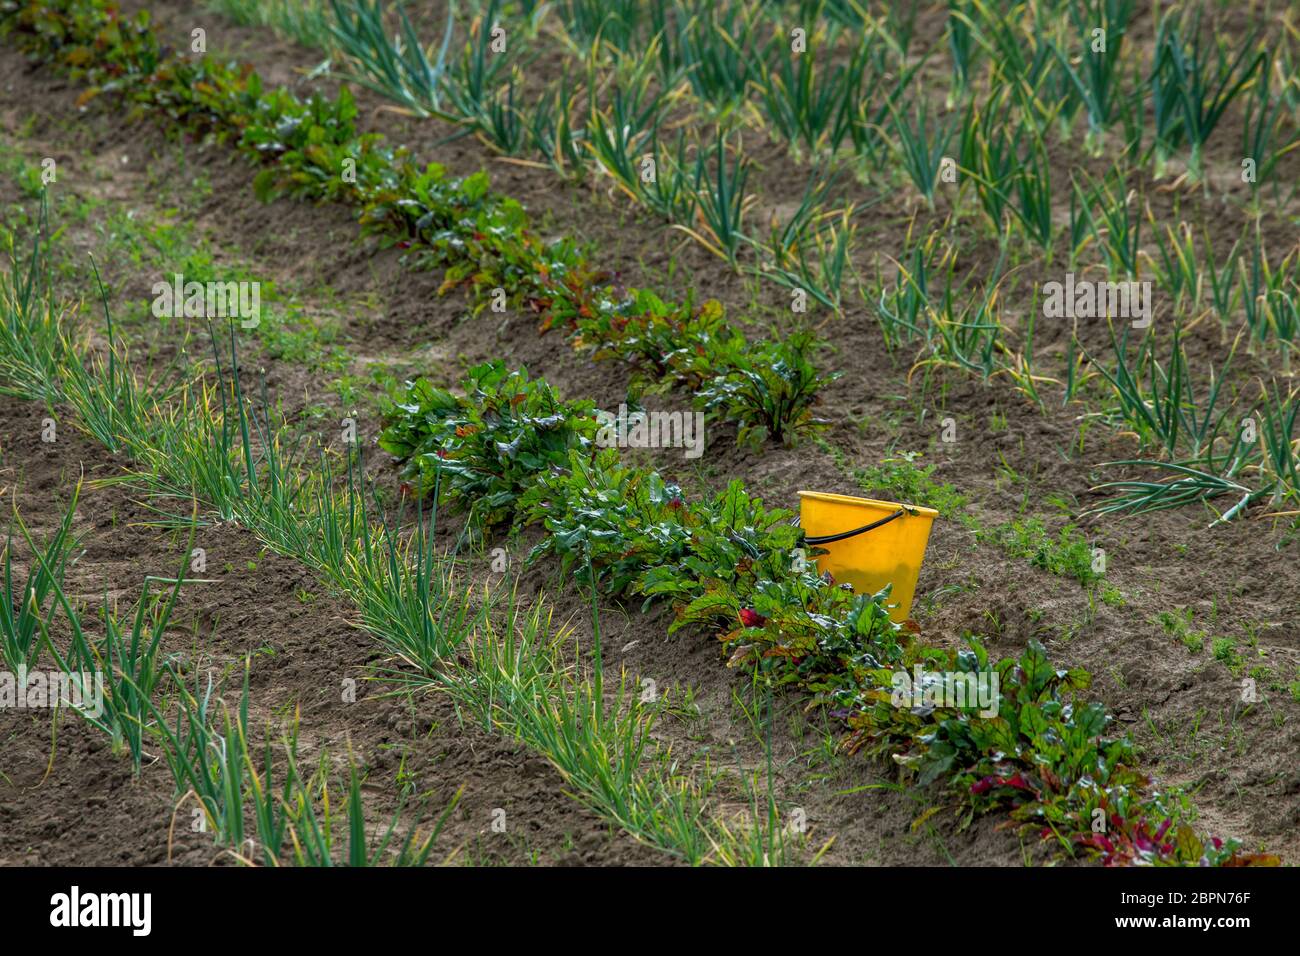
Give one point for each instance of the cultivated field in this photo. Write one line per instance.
(406, 409)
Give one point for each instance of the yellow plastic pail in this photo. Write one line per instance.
(868, 543)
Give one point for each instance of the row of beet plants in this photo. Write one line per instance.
(510, 452)
(482, 240)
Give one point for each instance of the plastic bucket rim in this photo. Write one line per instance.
(876, 502)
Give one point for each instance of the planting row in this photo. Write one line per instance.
(1198, 438)
(820, 76)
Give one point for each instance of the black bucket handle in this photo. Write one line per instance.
(828, 538)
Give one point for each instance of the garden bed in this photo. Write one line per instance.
(1170, 628)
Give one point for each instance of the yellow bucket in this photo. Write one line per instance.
(868, 543)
